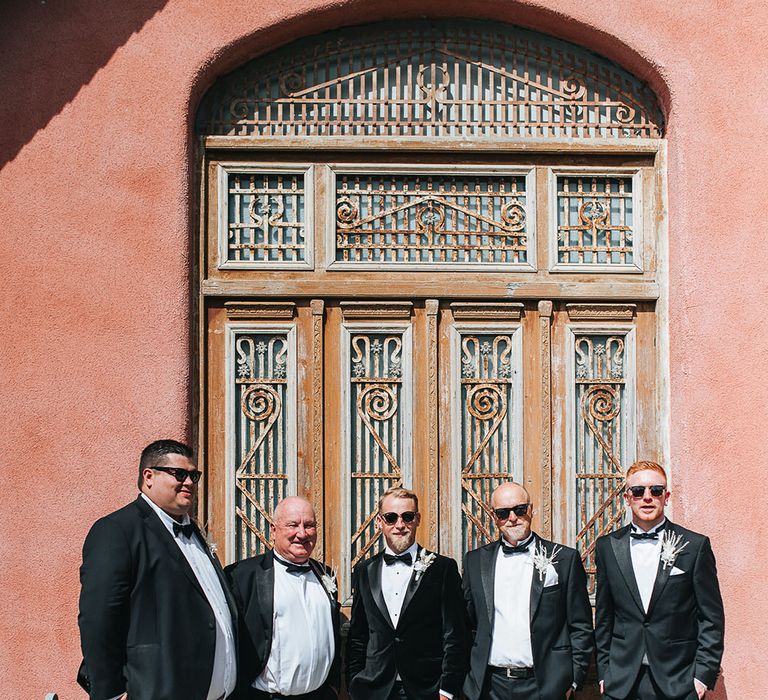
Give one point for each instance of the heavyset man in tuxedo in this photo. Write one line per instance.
(407, 634)
(157, 621)
(659, 614)
(527, 600)
(289, 638)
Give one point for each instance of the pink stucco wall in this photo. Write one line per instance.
(95, 287)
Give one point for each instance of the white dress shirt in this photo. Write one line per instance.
(645, 562)
(303, 646)
(511, 641)
(394, 582)
(224, 667)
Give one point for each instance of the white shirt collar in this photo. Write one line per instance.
(166, 519)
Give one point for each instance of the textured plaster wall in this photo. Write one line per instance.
(95, 287)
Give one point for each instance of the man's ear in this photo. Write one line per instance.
(148, 475)
(377, 522)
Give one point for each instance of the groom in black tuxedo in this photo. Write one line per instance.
(289, 637)
(157, 620)
(408, 635)
(527, 600)
(659, 614)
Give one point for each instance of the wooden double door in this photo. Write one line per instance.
(338, 400)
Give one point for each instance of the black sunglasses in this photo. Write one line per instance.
(391, 518)
(181, 474)
(639, 491)
(519, 510)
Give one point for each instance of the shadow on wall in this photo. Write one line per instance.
(49, 50)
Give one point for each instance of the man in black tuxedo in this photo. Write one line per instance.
(659, 614)
(157, 621)
(289, 638)
(528, 603)
(408, 634)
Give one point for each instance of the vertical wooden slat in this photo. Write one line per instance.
(432, 306)
(545, 373)
(317, 307)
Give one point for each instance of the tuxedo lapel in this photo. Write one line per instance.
(153, 523)
(487, 576)
(620, 544)
(265, 593)
(413, 584)
(319, 571)
(662, 574)
(537, 581)
(374, 583)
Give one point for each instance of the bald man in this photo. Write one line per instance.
(527, 600)
(289, 637)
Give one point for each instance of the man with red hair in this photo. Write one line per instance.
(659, 615)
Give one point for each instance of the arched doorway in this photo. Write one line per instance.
(430, 254)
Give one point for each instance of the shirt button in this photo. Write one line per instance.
(211, 625)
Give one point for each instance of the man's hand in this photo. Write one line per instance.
(443, 696)
(700, 688)
(568, 693)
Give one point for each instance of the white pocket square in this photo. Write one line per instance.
(552, 579)
(676, 572)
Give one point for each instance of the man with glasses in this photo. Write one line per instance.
(156, 618)
(659, 614)
(289, 640)
(407, 636)
(527, 601)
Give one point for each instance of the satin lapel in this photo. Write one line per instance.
(662, 576)
(374, 581)
(265, 593)
(413, 585)
(166, 538)
(620, 546)
(537, 582)
(319, 570)
(488, 576)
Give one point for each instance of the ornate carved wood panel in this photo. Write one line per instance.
(262, 430)
(435, 78)
(603, 443)
(411, 219)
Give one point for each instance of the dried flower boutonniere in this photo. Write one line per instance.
(671, 546)
(423, 562)
(542, 560)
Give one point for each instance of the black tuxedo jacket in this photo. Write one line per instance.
(253, 586)
(682, 632)
(146, 626)
(561, 620)
(428, 646)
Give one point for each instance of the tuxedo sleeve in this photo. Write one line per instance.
(357, 637)
(604, 614)
(579, 616)
(711, 617)
(105, 590)
(455, 631)
(469, 601)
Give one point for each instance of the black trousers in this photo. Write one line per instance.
(498, 687)
(645, 688)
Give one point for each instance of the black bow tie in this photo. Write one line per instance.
(390, 559)
(294, 568)
(514, 549)
(644, 535)
(186, 530)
